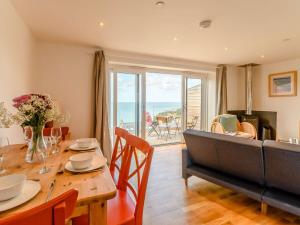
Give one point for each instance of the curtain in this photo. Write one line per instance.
(221, 103)
(100, 111)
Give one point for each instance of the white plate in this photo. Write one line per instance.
(30, 189)
(75, 147)
(97, 163)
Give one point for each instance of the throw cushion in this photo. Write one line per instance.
(229, 122)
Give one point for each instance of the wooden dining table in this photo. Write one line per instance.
(95, 188)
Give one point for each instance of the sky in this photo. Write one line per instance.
(159, 87)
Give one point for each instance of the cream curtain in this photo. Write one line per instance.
(221, 103)
(100, 123)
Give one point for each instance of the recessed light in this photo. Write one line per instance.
(226, 49)
(175, 39)
(262, 56)
(205, 24)
(101, 24)
(160, 4)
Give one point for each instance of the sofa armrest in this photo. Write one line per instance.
(186, 162)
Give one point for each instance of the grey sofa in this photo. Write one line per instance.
(268, 171)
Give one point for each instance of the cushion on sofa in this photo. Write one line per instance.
(229, 122)
(202, 148)
(236, 156)
(241, 157)
(282, 166)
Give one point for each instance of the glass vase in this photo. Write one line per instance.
(37, 141)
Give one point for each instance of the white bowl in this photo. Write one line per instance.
(11, 186)
(84, 142)
(81, 161)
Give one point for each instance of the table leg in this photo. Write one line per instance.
(98, 213)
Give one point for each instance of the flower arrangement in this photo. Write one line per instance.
(5, 117)
(33, 110)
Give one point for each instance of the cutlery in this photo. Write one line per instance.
(50, 190)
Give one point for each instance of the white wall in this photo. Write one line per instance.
(287, 108)
(65, 72)
(17, 47)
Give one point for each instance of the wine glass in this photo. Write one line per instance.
(48, 142)
(56, 135)
(42, 151)
(4, 143)
(27, 135)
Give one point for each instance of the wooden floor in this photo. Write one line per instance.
(170, 202)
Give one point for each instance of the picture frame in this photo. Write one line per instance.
(283, 84)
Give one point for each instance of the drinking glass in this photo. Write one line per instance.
(48, 142)
(56, 135)
(42, 152)
(4, 143)
(27, 135)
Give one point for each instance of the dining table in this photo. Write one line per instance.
(94, 188)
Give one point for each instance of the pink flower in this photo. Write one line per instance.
(20, 100)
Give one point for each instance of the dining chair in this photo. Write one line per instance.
(128, 205)
(118, 154)
(54, 212)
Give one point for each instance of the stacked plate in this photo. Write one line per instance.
(15, 190)
(84, 144)
(85, 162)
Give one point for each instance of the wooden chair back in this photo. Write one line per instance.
(118, 154)
(54, 212)
(139, 168)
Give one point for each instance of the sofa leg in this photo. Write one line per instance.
(264, 208)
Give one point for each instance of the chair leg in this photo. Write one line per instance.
(186, 182)
(264, 208)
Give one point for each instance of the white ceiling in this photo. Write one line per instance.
(248, 28)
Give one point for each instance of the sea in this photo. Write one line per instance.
(126, 110)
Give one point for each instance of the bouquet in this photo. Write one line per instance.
(33, 110)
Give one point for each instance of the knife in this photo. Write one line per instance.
(50, 190)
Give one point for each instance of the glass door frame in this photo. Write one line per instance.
(203, 103)
(141, 94)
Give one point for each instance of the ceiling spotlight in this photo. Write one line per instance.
(101, 24)
(205, 24)
(226, 49)
(160, 4)
(262, 56)
(175, 39)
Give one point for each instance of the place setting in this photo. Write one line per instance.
(16, 189)
(85, 162)
(83, 144)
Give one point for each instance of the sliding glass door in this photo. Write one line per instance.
(163, 108)
(127, 102)
(157, 106)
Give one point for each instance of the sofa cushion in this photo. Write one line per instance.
(282, 166)
(202, 148)
(241, 157)
(236, 156)
(229, 122)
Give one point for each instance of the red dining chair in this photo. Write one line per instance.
(54, 212)
(118, 155)
(128, 205)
